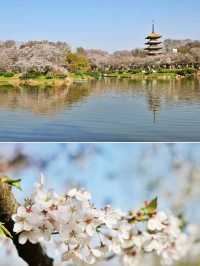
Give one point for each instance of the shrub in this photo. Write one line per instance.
(49, 76)
(185, 72)
(96, 75)
(182, 72)
(30, 75)
(136, 71)
(7, 74)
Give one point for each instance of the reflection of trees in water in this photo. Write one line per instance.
(52, 100)
(172, 92)
(40, 100)
(168, 90)
(157, 92)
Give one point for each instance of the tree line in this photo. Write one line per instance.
(57, 58)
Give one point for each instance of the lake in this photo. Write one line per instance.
(107, 110)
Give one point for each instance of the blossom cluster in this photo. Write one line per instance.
(88, 235)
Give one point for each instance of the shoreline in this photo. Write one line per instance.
(43, 81)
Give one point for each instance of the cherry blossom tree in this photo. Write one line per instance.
(84, 234)
(50, 228)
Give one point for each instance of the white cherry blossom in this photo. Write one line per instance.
(22, 220)
(157, 222)
(87, 235)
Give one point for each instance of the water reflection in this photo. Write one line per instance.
(41, 101)
(50, 100)
(101, 107)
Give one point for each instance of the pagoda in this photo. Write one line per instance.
(153, 44)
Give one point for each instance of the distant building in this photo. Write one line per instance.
(154, 43)
(174, 50)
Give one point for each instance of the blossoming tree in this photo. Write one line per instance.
(71, 226)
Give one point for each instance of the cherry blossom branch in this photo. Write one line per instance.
(30, 253)
(82, 234)
(86, 234)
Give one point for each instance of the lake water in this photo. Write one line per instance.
(108, 110)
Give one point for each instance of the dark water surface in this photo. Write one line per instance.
(109, 110)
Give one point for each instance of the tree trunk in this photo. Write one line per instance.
(32, 254)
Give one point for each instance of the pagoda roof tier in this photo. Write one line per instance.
(153, 36)
(153, 42)
(153, 48)
(150, 54)
(154, 53)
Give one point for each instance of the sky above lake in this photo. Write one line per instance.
(105, 24)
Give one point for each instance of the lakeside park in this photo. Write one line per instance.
(145, 87)
(76, 95)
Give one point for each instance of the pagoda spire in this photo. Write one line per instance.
(153, 26)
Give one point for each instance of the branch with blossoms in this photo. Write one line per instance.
(85, 234)
(30, 253)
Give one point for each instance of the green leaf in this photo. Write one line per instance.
(145, 212)
(151, 207)
(183, 221)
(4, 231)
(15, 183)
(12, 182)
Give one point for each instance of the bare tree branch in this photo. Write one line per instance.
(32, 254)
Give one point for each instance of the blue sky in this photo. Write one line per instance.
(111, 175)
(105, 24)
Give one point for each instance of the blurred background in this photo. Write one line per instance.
(124, 175)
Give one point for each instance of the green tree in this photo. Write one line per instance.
(78, 62)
